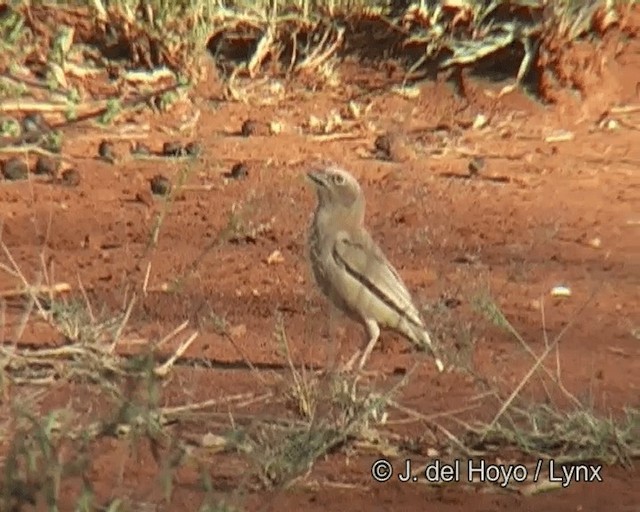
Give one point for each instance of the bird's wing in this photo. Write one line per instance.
(365, 262)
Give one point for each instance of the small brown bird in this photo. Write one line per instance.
(351, 269)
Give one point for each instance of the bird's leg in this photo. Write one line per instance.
(374, 333)
(349, 364)
(371, 336)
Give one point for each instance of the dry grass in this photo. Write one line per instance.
(45, 447)
(138, 57)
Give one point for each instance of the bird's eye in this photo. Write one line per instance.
(338, 179)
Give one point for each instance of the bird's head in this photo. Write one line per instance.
(338, 190)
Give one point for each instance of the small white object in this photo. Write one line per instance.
(596, 243)
(561, 291)
(559, 136)
(314, 122)
(275, 257)
(275, 127)
(334, 121)
(612, 124)
(354, 110)
(407, 92)
(276, 88)
(479, 122)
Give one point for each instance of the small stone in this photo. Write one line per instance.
(106, 151)
(476, 164)
(382, 145)
(47, 166)
(172, 148)
(15, 169)
(193, 148)
(249, 127)
(34, 122)
(160, 185)
(238, 171)
(393, 147)
(70, 178)
(33, 125)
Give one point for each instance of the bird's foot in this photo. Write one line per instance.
(348, 366)
(351, 367)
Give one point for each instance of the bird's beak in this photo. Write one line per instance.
(317, 177)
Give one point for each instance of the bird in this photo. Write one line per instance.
(350, 268)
